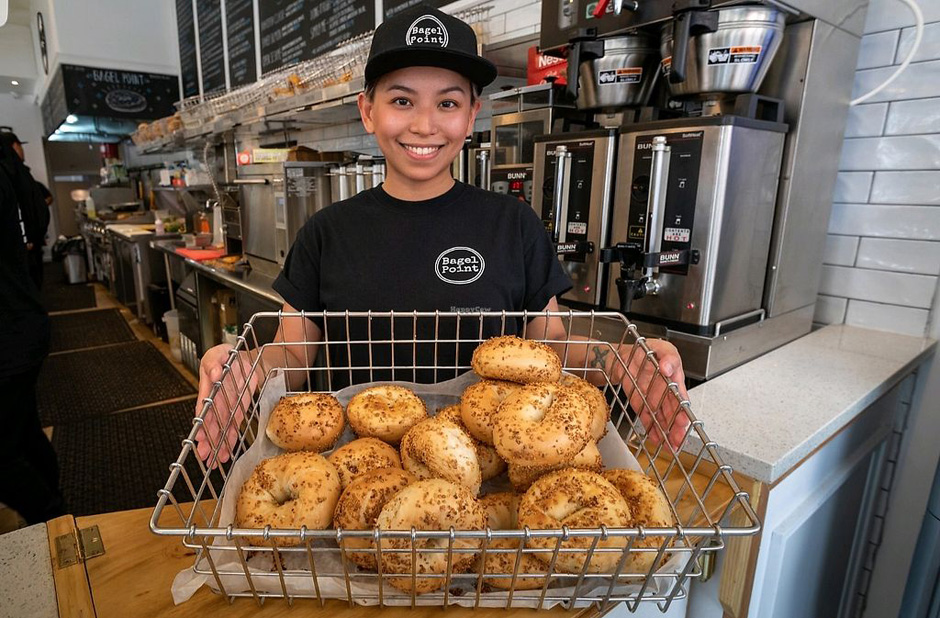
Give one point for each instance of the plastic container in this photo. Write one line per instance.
(172, 320)
(74, 264)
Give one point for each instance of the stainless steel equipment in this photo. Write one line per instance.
(693, 216)
(732, 59)
(187, 304)
(349, 179)
(514, 180)
(261, 186)
(306, 190)
(613, 72)
(714, 52)
(573, 191)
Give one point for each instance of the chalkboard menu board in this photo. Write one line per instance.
(118, 94)
(240, 28)
(295, 30)
(393, 7)
(53, 107)
(187, 40)
(211, 52)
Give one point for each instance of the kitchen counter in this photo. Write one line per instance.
(26, 584)
(256, 281)
(771, 413)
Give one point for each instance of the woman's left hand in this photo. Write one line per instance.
(649, 394)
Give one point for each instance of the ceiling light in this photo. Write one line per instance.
(15, 83)
(71, 119)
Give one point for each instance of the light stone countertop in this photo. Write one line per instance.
(26, 584)
(769, 414)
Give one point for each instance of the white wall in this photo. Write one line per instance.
(138, 35)
(883, 256)
(16, 52)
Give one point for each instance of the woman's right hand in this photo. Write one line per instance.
(225, 412)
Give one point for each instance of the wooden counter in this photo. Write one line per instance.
(134, 576)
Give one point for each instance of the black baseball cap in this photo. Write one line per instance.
(8, 137)
(426, 37)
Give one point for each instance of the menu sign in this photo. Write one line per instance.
(118, 94)
(211, 52)
(186, 28)
(283, 33)
(240, 28)
(295, 30)
(53, 107)
(393, 7)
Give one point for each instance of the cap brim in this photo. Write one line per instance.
(478, 70)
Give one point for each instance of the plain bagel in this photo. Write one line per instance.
(359, 506)
(362, 455)
(577, 499)
(306, 422)
(433, 504)
(288, 491)
(517, 360)
(491, 464)
(649, 508)
(479, 403)
(542, 425)
(439, 448)
(385, 412)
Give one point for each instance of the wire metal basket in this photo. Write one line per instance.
(431, 347)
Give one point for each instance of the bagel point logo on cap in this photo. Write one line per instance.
(427, 30)
(459, 265)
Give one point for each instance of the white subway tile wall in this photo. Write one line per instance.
(882, 258)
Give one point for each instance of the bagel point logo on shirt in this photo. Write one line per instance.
(427, 30)
(459, 266)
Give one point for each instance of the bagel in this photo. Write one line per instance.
(517, 360)
(432, 504)
(600, 411)
(359, 506)
(439, 448)
(360, 456)
(542, 425)
(576, 499)
(648, 507)
(501, 510)
(385, 412)
(288, 491)
(478, 405)
(491, 464)
(589, 458)
(306, 422)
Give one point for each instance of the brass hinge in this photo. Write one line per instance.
(70, 549)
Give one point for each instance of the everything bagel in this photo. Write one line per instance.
(479, 403)
(491, 464)
(516, 360)
(306, 422)
(362, 455)
(648, 508)
(385, 412)
(439, 448)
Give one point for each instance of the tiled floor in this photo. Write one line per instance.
(9, 519)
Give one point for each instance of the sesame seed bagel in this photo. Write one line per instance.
(517, 360)
(501, 510)
(439, 448)
(491, 464)
(479, 403)
(360, 504)
(360, 456)
(600, 411)
(306, 422)
(433, 504)
(288, 491)
(385, 412)
(542, 425)
(577, 499)
(589, 458)
(648, 507)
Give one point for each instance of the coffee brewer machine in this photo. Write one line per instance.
(724, 171)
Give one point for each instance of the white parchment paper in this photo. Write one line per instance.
(296, 568)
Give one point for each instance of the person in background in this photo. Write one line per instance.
(422, 241)
(36, 215)
(29, 469)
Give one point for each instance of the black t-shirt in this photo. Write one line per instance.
(467, 250)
